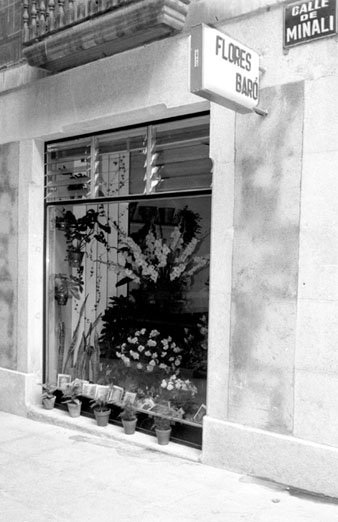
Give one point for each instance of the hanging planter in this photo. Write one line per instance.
(66, 286)
(75, 258)
(80, 231)
(61, 297)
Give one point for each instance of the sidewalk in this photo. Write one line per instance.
(55, 474)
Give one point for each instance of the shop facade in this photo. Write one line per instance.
(139, 151)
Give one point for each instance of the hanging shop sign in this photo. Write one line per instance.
(307, 21)
(223, 70)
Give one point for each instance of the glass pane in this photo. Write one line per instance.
(120, 163)
(161, 158)
(130, 311)
(68, 173)
(181, 155)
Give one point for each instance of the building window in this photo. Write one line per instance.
(128, 242)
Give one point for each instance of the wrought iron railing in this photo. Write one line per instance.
(44, 17)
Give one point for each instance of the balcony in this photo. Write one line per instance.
(61, 34)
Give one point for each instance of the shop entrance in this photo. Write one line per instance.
(128, 243)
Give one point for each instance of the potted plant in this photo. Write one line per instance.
(128, 418)
(101, 411)
(48, 397)
(163, 420)
(79, 231)
(71, 398)
(67, 286)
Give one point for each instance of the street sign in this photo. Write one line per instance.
(307, 21)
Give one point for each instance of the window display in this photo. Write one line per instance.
(128, 266)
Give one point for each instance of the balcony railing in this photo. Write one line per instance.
(59, 34)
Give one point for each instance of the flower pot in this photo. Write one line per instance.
(163, 436)
(102, 417)
(74, 409)
(129, 426)
(48, 403)
(75, 258)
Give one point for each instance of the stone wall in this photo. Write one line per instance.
(9, 166)
(265, 261)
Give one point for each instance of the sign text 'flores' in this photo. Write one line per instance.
(223, 70)
(310, 20)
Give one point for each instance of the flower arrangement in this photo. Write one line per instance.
(177, 386)
(149, 351)
(157, 260)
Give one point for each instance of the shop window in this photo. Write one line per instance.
(128, 242)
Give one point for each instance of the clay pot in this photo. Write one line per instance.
(75, 258)
(61, 297)
(102, 417)
(48, 404)
(74, 409)
(129, 426)
(163, 436)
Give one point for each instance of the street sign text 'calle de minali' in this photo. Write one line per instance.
(310, 20)
(223, 70)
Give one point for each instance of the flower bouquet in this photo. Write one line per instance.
(180, 392)
(148, 350)
(157, 261)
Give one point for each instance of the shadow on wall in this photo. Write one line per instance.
(265, 260)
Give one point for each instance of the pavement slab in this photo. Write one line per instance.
(56, 474)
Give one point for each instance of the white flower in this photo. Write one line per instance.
(140, 348)
(151, 342)
(150, 368)
(177, 362)
(143, 331)
(164, 383)
(126, 360)
(154, 333)
(152, 363)
(170, 387)
(163, 366)
(147, 353)
(139, 366)
(177, 349)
